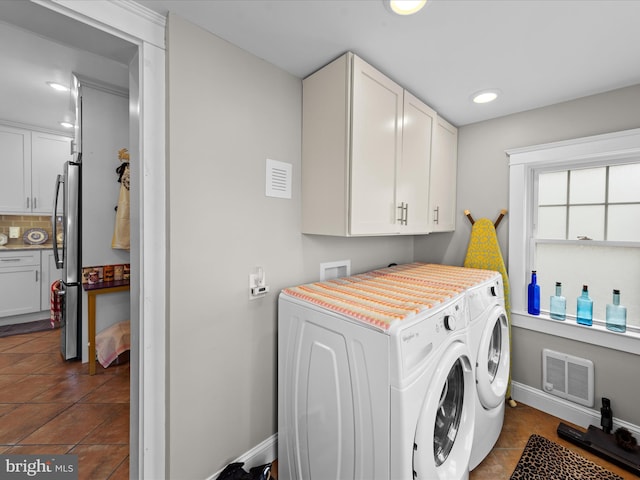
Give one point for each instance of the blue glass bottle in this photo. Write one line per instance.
(616, 314)
(533, 296)
(585, 308)
(558, 304)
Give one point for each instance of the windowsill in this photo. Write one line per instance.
(596, 335)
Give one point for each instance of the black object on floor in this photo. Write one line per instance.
(604, 445)
(21, 328)
(234, 471)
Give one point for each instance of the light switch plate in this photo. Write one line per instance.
(14, 232)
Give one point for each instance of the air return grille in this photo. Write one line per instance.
(568, 377)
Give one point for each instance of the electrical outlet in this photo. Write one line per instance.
(14, 232)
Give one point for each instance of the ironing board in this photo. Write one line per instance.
(484, 252)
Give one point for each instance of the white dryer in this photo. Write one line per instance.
(360, 401)
(489, 343)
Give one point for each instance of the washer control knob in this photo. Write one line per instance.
(450, 322)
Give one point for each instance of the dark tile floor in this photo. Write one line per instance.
(48, 406)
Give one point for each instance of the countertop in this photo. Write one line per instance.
(26, 246)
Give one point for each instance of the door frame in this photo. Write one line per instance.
(132, 22)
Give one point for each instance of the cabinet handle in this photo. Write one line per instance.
(404, 213)
(401, 208)
(36, 276)
(436, 217)
(28, 199)
(9, 259)
(35, 202)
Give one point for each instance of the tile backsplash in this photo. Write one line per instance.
(24, 222)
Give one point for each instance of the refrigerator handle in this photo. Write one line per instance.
(54, 222)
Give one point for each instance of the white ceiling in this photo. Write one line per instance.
(536, 52)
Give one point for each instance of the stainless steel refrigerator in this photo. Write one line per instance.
(68, 254)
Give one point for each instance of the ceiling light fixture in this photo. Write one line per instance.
(485, 96)
(405, 7)
(58, 87)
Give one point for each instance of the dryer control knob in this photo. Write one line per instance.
(450, 322)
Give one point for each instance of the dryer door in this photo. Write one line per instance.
(492, 370)
(444, 432)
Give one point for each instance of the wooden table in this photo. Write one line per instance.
(92, 291)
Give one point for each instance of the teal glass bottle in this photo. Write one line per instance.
(585, 308)
(616, 314)
(533, 295)
(558, 304)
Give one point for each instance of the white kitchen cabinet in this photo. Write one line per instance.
(19, 282)
(30, 161)
(48, 155)
(15, 161)
(442, 189)
(361, 174)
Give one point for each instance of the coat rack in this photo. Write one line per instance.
(503, 212)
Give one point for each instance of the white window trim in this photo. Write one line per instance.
(522, 162)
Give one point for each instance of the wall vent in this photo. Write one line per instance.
(568, 377)
(278, 179)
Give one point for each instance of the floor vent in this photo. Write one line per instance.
(568, 377)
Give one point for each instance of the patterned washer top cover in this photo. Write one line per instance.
(386, 296)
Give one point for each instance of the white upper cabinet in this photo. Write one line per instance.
(48, 155)
(444, 161)
(30, 161)
(366, 149)
(15, 161)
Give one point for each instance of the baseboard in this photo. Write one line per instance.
(563, 409)
(265, 452)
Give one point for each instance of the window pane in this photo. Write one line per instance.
(552, 223)
(552, 188)
(623, 223)
(624, 183)
(586, 222)
(588, 185)
(594, 266)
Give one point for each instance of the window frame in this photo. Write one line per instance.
(617, 147)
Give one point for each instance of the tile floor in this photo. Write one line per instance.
(48, 406)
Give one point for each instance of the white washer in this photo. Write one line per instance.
(357, 402)
(489, 343)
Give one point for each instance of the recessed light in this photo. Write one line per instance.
(405, 7)
(485, 96)
(67, 124)
(58, 87)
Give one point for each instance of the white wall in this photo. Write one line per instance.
(483, 188)
(105, 130)
(228, 112)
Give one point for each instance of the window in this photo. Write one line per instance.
(587, 227)
(575, 219)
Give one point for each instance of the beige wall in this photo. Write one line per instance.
(483, 188)
(228, 112)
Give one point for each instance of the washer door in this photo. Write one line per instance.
(492, 367)
(444, 432)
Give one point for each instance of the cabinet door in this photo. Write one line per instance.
(48, 154)
(444, 161)
(15, 162)
(19, 282)
(375, 147)
(414, 166)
